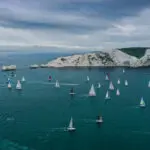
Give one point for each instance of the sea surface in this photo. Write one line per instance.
(36, 117)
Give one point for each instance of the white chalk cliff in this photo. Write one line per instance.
(102, 59)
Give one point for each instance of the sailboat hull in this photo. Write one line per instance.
(142, 106)
(71, 129)
(99, 121)
(92, 95)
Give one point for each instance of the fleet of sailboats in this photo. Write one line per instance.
(71, 127)
(92, 91)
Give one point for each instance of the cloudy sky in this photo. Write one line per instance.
(75, 24)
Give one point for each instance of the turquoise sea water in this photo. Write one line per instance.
(35, 117)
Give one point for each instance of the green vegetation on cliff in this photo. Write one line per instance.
(135, 51)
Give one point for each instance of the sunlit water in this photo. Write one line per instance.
(36, 117)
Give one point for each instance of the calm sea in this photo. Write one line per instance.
(35, 118)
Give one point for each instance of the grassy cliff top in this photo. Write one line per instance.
(135, 51)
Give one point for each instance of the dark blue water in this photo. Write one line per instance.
(35, 117)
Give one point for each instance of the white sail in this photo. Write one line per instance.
(92, 91)
(88, 79)
(106, 77)
(123, 71)
(57, 85)
(111, 86)
(149, 84)
(71, 123)
(18, 86)
(23, 79)
(142, 103)
(99, 85)
(71, 127)
(126, 83)
(117, 92)
(9, 85)
(118, 82)
(107, 95)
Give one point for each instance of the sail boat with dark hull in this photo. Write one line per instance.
(72, 92)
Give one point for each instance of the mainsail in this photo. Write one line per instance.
(126, 83)
(117, 92)
(57, 85)
(23, 79)
(118, 82)
(107, 95)
(149, 84)
(92, 91)
(111, 86)
(142, 103)
(18, 86)
(99, 85)
(9, 85)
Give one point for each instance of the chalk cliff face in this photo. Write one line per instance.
(102, 59)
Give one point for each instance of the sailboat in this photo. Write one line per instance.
(87, 78)
(9, 85)
(111, 86)
(118, 82)
(99, 119)
(92, 91)
(49, 78)
(142, 103)
(57, 85)
(106, 77)
(18, 86)
(123, 71)
(71, 127)
(117, 92)
(126, 83)
(99, 85)
(107, 95)
(149, 84)
(23, 79)
(72, 92)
